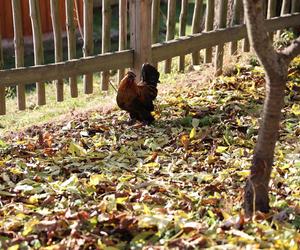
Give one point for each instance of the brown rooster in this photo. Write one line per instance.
(137, 98)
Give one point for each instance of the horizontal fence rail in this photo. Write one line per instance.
(208, 28)
(189, 44)
(85, 65)
(124, 59)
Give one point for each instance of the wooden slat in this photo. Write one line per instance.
(140, 38)
(103, 62)
(6, 19)
(1, 52)
(271, 13)
(19, 49)
(182, 29)
(160, 52)
(88, 45)
(171, 22)
(209, 25)
(189, 44)
(106, 43)
(295, 6)
(196, 27)
(155, 21)
(58, 49)
(122, 32)
(294, 9)
(265, 7)
(245, 42)
(220, 48)
(285, 9)
(2, 87)
(237, 7)
(38, 46)
(71, 36)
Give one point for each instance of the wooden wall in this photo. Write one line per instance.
(6, 20)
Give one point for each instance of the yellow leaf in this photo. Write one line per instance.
(193, 133)
(14, 247)
(211, 159)
(96, 179)
(221, 149)
(151, 164)
(76, 150)
(33, 200)
(146, 209)
(29, 226)
(295, 109)
(185, 141)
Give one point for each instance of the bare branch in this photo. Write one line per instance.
(258, 35)
(293, 50)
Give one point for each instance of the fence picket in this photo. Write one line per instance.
(245, 43)
(140, 41)
(155, 20)
(171, 22)
(58, 50)
(182, 29)
(19, 49)
(88, 45)
(209, 25)
(106, 44)
(237, 7)
(2, 88)
(122, 32)
(71, 36)
(295, 6)
(38, 46)
(271, 13)
(220, 48)
(196, 27)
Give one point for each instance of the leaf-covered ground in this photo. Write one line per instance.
(92, 182)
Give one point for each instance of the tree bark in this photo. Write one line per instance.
(276, 68)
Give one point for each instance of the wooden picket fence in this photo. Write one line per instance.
(144, 45)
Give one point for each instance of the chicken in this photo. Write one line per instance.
(137, 98)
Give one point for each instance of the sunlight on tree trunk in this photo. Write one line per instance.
(276, 68)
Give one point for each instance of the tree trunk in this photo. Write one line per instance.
(256, 190)
(276, 68)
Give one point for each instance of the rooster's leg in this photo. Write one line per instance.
(132, 119)
(146, 117)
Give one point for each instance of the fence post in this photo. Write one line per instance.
(35, 16)
(71, 36)
(106, 24)
(19, 49)
(182, 29)
(209, 25)
(88, 45)
(295, 6)
(122, 32)
(271, 13)
(285, 8)
(2, 88)
(171, 22)
(155, 23)
(220, 48)
(58, 49)
(245, 43)
(235, 21)
(140, 38)
(196, 27)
